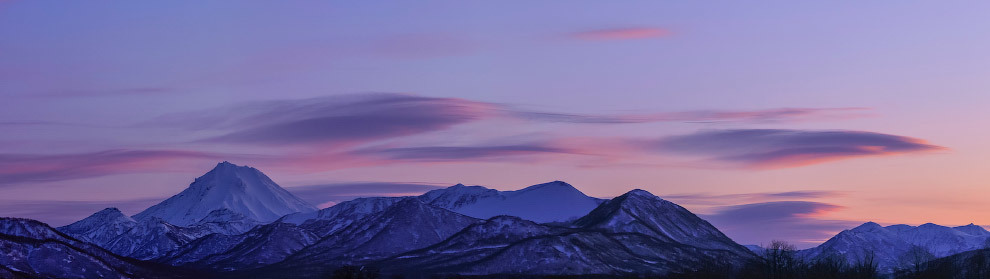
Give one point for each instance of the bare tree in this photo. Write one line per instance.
(780, 260)
(917, 257)
(866, 268)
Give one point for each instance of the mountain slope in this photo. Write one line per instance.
(596, 252)
(899, 246)
(201, 248)
(510, 245)
(226, 221)
(243, 190)
(32, 249)
(472, 244)
(548, 202)
(639, 211)
(100, 228)
(154, 238)
(331, 219)
(263, 245)
(407, 225)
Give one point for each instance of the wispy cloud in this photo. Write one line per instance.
(33, 123)
(337, 120)
(113, 92)
(628, 33)
(723, 199)
(348, 131)
(21, 168)
(767, 148)
(365, 118)
(460, 153)
(759, 223)
(765, 115)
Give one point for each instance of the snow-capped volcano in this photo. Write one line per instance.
(240, 189)
(548, 202)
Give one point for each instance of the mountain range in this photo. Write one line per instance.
(234, 221)
(900, 246)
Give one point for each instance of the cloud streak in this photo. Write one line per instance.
(340, 120)
(628, 33)
(21, 168)
(334, 128)
(134, 91)
(759, 223)
(359, 119)
(459, 153)
(766, 115)
(714, 199)
(768, 148)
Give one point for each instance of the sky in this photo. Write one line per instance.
(785, 120)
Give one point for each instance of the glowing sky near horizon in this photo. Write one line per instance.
(807, 118)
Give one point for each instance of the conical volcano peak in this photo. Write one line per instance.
(228, 174)
(225, 167)
(240, 189)
(228, 166)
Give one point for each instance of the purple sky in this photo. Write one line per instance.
(805, 117)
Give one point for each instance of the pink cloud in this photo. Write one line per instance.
(801, 221)
(622, 34)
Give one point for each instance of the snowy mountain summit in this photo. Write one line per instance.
(101, 227)
(548, 202)
(239, 189)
